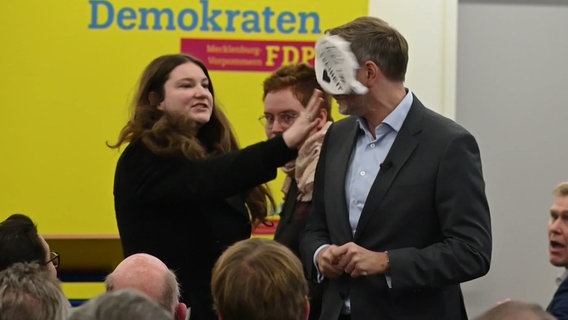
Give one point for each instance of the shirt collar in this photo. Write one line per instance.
(395, 119)
(562, 277)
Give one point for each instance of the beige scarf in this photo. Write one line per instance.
(303, 168)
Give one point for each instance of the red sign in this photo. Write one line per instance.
(248, 55)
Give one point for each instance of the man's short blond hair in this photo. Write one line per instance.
(561, 190)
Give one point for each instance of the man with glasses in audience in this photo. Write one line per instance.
(20, 242)
(286, 92)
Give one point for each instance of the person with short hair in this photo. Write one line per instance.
(151, 276)
(285, 93)
(259, 279)
(399, 213)
(21, 242)
(124, 304)
(558, 249)
(29, 292)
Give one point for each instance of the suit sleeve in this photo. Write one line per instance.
(559, 305)
(464, 249)
(145, 175)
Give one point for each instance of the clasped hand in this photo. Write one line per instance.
(352, 259)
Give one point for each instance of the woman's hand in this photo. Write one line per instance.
(306, 122)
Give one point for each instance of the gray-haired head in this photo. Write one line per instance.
(29, 292)
(120, 305)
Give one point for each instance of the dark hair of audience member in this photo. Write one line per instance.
(20, 241)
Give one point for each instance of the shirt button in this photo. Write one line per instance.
(372, 145)
(362, 173)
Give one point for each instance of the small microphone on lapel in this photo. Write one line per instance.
(385, 166)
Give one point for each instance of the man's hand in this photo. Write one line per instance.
(327, 263)
(358, 261)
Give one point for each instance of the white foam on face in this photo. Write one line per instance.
(336, 66)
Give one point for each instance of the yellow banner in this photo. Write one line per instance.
(69, 69)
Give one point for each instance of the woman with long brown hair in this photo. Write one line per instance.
(183, 190)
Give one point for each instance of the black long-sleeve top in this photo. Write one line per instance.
(186, 212)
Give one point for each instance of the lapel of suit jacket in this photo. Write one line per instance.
(343, 135)
(403, 146)
(289, 203)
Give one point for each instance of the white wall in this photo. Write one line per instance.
(511, 94)
(430, 29)
(499, 68)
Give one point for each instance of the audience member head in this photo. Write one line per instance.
(125, 304)
(151, 276)
(20, 242)
(29, 292)
(515, 310)
(286, 93)
(259, 279)
(558, 227)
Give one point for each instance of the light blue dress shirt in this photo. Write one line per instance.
(367, 157)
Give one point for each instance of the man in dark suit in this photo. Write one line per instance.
(558, 249)
(399, 216)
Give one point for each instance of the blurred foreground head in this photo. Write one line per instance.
(258, 279)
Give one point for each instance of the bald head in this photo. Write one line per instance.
(149, 275)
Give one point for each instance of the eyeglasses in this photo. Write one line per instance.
(54, 259)
(284, 119)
